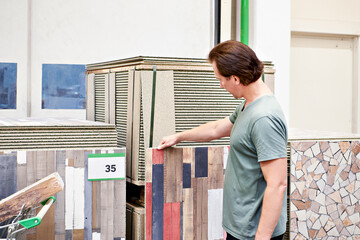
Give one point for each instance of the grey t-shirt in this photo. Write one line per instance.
(259, 134)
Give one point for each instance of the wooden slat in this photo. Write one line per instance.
(215, 168)
(188, 222)
(31, 195)
(157, 156)
(173, 175)
(157, 201)
(8, 175)
(107, 209)
(88, 185)
(60, 197)
(119, 208)
(46, 230)
(172, 221)
(148, 199)
(200, 208)
(201, 162)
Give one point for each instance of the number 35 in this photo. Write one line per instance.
(110, 168)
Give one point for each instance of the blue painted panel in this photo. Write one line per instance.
(8, 75)
(157, 201)
(201, 162)
(63, 86)
(187, 175)
(8, 173)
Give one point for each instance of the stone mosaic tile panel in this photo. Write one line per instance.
(325, 190)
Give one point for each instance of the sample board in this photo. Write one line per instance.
(83, 209)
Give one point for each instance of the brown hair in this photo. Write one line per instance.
(235, 58)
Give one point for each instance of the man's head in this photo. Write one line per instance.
(233, 58)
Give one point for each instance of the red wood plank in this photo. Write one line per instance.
(172, 221)
(158, 156)
(148, 210)
(175, 220)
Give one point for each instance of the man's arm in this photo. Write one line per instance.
(275, 174)
(204, 133)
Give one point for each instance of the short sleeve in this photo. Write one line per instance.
(269, 136)
(235, 114)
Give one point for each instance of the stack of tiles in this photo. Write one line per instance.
(54, 133)
(151, 97)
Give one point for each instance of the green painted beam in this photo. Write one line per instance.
(245, 21)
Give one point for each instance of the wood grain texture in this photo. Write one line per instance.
(60, 197)
(88, 187)
(188, 221)
(173, 175)
(31, 195)
(107, 209)
(201, 162)
(200, 218)
(215, 168)
(157, 201)
(172, 221)
(157, 156)
(148, 201)
(8, 175)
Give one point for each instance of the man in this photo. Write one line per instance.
(256, 172)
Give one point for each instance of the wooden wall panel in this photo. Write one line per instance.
(184, 190)
(83, 209)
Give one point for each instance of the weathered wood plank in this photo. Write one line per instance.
(173, 175)
(188, 222)
(201, 162)
(148, 199)
(31, 195)
(88, 185)
(215, 168)
(200, 217)
(172, 221)
(8, 175)
(157, 201)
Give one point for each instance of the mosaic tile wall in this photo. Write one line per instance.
(325, 190)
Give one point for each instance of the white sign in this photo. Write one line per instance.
(108, 166)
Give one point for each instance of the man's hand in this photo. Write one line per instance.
(169, 141)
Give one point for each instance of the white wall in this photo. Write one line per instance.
(13, 48)
(338, 20)
(82, 32)
(270, 38)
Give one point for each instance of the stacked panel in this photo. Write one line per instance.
(186, 95)
(54, 133)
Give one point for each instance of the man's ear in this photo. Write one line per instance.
(237, 80)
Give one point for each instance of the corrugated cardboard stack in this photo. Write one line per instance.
(151, 97)
(54, 133)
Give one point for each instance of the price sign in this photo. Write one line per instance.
(109, 166)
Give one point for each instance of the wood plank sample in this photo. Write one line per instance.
(173, 175)
(31, 195)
